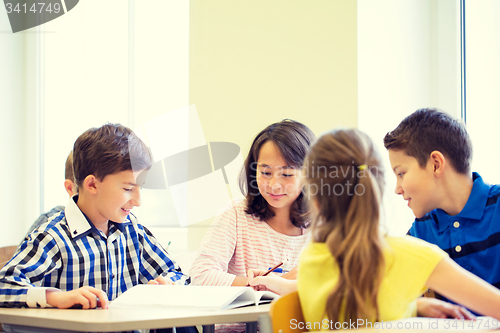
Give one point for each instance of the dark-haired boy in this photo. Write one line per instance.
(94, 250)
(431, 153)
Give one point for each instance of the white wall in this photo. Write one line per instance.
(115, 69)
(79, 71)
(161, 84)
(407, 59)
(84, 78)
(13, 123)
(253, 63)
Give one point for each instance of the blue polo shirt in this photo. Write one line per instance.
(472, 237)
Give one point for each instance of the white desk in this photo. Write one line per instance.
(110, 320)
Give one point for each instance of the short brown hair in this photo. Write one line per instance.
(293, 140)
(430, 129)
(68, 172)
(106, 150)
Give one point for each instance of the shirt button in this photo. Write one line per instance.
(458, 248)
(112, 276)
(456, 224)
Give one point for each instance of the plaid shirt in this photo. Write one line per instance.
(68, 252)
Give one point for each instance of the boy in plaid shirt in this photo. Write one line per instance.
(94, 250)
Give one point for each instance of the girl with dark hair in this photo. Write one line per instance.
(350, 271)
(268, 226)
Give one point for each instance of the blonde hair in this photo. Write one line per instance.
(345, 182)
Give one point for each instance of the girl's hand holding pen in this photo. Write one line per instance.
(273, 283)
(256, 272)
(262, 280)
(272, 269)
(291, 275)
(251, 273)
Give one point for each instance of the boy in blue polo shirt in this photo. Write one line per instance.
(94, 250)
(430, 154)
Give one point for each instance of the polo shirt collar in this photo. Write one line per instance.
(473, 209)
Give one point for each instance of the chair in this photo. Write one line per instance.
(283, 311)
(5, 255)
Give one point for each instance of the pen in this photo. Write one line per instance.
(272, 269)
(279, 270)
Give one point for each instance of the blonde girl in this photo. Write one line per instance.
(350, 270)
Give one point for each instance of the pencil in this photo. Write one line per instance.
(272, 269)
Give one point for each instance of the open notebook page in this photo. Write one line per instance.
(193, 297)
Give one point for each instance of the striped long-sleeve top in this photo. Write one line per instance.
(236, 242)
(68, 252)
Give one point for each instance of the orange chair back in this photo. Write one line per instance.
(286, 314)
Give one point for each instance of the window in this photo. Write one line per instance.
(408, 58)
(482, 82)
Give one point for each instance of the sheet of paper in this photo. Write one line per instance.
(194, 297)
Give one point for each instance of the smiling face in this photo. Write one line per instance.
(278, 182)
(116, 195)
(416, 185)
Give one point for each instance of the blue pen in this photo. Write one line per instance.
(279, 270)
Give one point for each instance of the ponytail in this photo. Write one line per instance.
(347, 221)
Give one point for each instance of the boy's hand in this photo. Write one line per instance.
(87, 297)
(435, 308)
(161, 280)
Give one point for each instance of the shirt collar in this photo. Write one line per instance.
(474, 208)
(78, 223)
(120, 226)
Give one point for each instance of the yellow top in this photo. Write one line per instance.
(409, 263)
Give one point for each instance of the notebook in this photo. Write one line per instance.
(192, 297)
